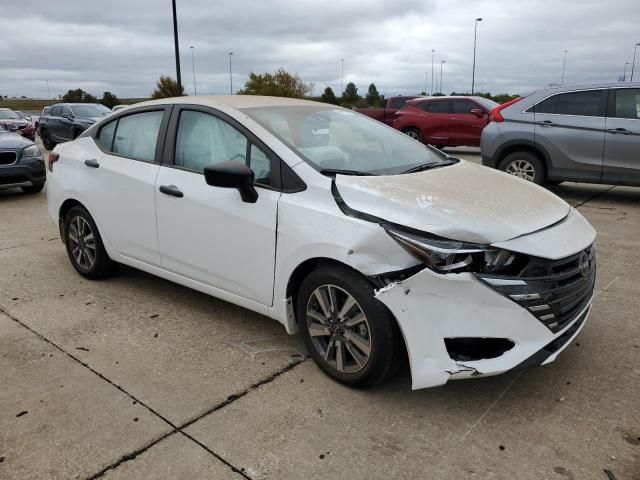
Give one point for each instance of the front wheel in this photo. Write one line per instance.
(413, 133)
(33, 188)
(348, 333)
(84, 245)
(524, 165)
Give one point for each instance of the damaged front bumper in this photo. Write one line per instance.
(434, 310)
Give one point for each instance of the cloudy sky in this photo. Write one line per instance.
(124, 46)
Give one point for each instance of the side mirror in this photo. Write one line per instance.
(478, 112)
(68, 116)
(232, 174)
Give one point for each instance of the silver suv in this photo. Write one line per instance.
(580, 134)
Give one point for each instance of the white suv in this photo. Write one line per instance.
(371, 244)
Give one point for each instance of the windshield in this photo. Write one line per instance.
(9, 115)
(90, 110)
(486, 103)
(332, 138)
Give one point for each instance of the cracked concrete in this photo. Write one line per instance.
(135, 377)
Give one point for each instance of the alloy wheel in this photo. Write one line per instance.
(412, 134)
(522, 169)
(339, 329)
(82, 242)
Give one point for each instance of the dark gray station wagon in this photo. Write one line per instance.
(580, 134)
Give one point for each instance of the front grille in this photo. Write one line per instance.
(554, 291)
(8, 158)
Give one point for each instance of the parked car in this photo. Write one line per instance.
(445, 121)
(36, 123)
(579, 134)
(13, 122)
(21, 163)
(388, 113)
(65, 121)
(26, 116)
(373, 245)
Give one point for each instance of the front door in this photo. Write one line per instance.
(621, 162)
(208, 233)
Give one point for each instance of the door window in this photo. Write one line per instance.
(56, 111)
(204, 139)
(137, 135)
(439, 106)
(106, 135)
(66, 111)
(590, 103)
(463, 106)
(550, 105)
(627, 103)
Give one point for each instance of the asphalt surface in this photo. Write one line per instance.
(135, 377)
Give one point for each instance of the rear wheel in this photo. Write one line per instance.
(413, 133)
(84, 245)
(348, 333)
(525, 165)
(33, 188)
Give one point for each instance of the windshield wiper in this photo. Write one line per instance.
(429, 165)
(338, 171)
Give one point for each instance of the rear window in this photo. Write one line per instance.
(400, 102)
(588, 103)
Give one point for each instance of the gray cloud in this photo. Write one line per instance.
(124, 46)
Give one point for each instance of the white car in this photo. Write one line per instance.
(371, 244)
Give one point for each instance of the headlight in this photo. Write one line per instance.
(32, 151)
(452, 256)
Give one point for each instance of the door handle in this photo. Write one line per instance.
(547, 123)
(93, 163)
(171, 190)
(622, 131)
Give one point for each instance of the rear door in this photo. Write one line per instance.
(66, 124)
(207, 233)
(621, 163)
(466, 127)
(120, 181)
(570, 128)
(53, 124)
(437, 123)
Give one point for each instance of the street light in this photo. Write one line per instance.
(230, 75)
(633, 66)
(441, 64)
(564, 62)
(432, 54)
(177, 48)
(624, 75)
(426, 76)
(48, 90)
(342, 74)
(475, 41)
(193, 67)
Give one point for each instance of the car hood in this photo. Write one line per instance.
(14, 121)
(13, 141)
(464, 201)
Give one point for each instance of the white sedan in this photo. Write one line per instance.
(371, 244)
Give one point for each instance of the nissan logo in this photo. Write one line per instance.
(584, 264)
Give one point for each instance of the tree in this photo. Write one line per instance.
(109, 100)
(373, 97)
(167, 87)
(350, 94)
(78, 96)
(329, 97)
(278, 84)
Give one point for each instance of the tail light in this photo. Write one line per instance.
(53, 158)
(496, 116)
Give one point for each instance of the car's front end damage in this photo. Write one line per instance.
(477, 308)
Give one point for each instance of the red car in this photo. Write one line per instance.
(445, 121)
(13, 122)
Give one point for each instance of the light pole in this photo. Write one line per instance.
(177, 48)
(442, 62)
(230, 75)
(475, 42)
(564, 62)
(426, 76)
(624, 75)
(633, 65)
(433, 52)
(193, 67)
(342, 74)
(48, 90)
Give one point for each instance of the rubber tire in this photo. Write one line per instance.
(46, 140)
(383, 360)
(414, 130)
(37, 188)
(539, 175)
(103, 266)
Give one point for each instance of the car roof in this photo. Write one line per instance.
(234, 101)
(443, 97)
(589, 86)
